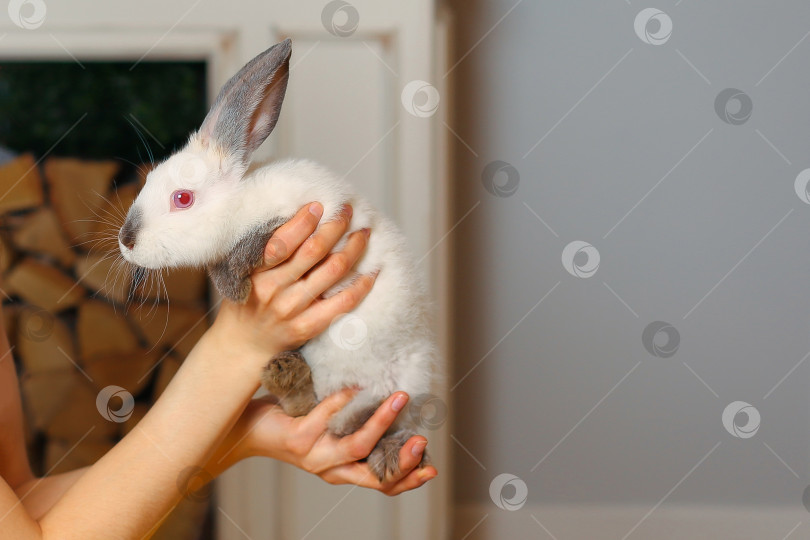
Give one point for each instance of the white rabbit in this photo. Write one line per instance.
(203, 207)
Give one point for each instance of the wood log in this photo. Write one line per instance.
(117, 204)
(40, 232)
(44, 394)
(77, 193)
(182, 285)
(111, 216)
(103, 331)
(7, 254)
(105, 275)
(79, 417)
(62, 456)
(163, 326)
(44, 342)
(10, 315)
(20, 184)
(132, 371)
(43, 286)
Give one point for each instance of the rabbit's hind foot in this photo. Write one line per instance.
(384, 459)
(288, 377)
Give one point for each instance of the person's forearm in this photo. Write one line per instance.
(39, 495)
(135, 485)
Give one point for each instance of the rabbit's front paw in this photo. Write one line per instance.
(384, 459)
(288, 377)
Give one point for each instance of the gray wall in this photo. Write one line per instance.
(697, 224)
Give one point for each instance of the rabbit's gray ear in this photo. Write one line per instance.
(247, 108)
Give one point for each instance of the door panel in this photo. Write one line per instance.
(338, 111)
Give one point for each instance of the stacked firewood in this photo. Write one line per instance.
(78, 323)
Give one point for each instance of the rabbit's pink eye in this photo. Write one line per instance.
(182, 199)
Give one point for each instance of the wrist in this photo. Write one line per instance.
(230, 343)
(230, 452)
(263, 430)
(242, 330)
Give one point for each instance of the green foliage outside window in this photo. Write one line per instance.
(40, 101)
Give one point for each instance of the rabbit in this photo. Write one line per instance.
(205, 207)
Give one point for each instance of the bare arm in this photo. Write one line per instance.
(200, 415)
(135, 485)
(131, 488)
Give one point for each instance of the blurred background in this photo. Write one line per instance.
(607, 199)
(631, 308)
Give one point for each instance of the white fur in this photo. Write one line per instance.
(398, 352)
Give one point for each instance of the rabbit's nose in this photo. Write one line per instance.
(127, 238)
(130, 229)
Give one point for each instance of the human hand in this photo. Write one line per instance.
(285, 308)
(264, 430)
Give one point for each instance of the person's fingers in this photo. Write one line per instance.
(413, 480)
(289, 236)
(409, 475)
(336, 265)
(356, 473)
(360, 443)
(320, 314)
(410, 455)
(332, 269)
(360, 474)
(316, 421)
(317, 246)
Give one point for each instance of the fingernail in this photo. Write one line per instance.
(366, 231)
(418, 448)
(424, 475)
(347, 210)
(399, 402)
(316, 210)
